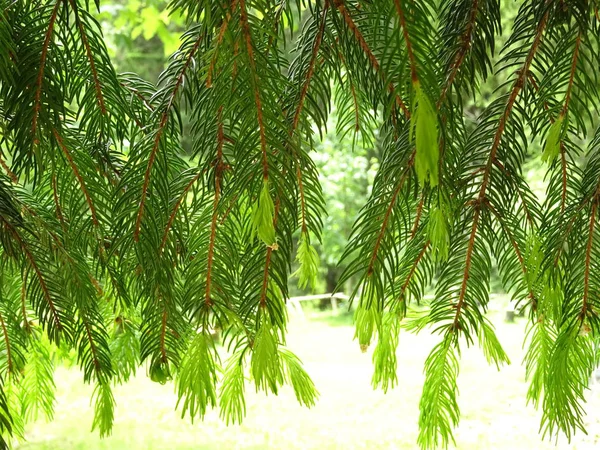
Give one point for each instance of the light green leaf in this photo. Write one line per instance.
(308, 258)
(263, 213)
(552, 145)
(424, 130)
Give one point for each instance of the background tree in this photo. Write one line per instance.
(118, 242)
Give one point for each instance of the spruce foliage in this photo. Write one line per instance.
(115, 243)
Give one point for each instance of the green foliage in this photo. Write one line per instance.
(385, 362)
(231, 397)
(439, 405)
(308, 259)
(123, 248)
(424, 130)
(104, 409)
(552, 145)
(438, 233)
(263, 213)
(197, 377)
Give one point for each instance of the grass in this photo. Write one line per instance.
(349, 414)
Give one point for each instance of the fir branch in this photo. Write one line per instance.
(466, 39)
(585, 307)
(159, 133)
(339, 4)
(9, 359)
(90, 57)
(38, 87)
(219, 168)
(409, 49)
(255, 86)
(38, 272)
(517, 87)
(78, 176)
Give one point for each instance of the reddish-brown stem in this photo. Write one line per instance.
(387, 216)
(221, 35)
(157, 138)
(413, 269)
(254, 77)
(80, 180)
(296, 120)
(572, 75)
(415, 227)
(311, 68)
(92, 346)
(40, 78)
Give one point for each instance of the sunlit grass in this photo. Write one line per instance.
(349, 414)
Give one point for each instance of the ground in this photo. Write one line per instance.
(349, 414)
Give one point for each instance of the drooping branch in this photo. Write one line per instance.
(466, 40)
(409, 48)
(255, 85)
(339, 4)
(90, 57)
(585, 307)
(40, 78)
(219, 168)
(78, 176)
(38, 272)
(516, 89)
(157, 138)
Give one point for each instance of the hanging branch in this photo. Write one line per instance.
(517, 87)
(339, 4)
(90, 57)
(254, 82)
(38, 87)
(159, 133)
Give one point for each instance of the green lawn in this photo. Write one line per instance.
(349, 413)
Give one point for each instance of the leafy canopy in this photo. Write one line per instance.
(116, 244)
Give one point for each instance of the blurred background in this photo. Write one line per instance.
(349, 413)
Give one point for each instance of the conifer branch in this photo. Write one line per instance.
(9, 359)
(39, 276)
(411, 56)
(90, 57)
(255, 86)
(585, 307)
(517, 87)
(40, 78)
(78, 176)
(173, 214)
(339, 4)
(157, 138)
(219, 168)
(466, 40)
